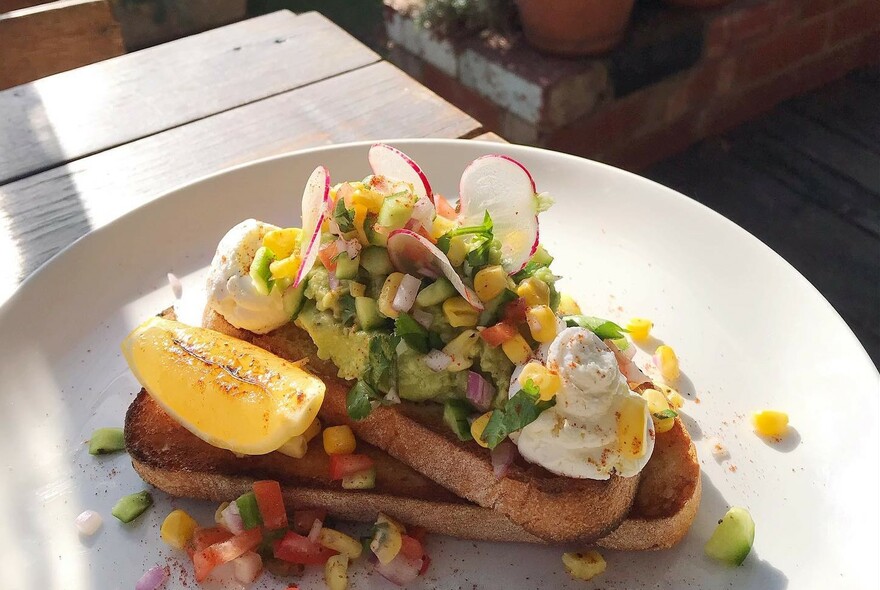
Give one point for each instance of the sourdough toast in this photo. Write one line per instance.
(553, 508)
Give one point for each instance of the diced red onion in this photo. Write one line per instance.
(232, 519)
(630, 352)
(437, 360)
(629, 369)
(333, 227)
(351, 247)
(176, 285)
(391, 397)
(401, 570)
(332, 281)
(406, 293)
(424, 318)
(479, 391)
(345, 192)
(153, 578)
(502, 457)
(88, 522)
(315, 530)
(248, 567)
(423, 212)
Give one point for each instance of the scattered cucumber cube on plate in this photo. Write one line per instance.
(733, 537)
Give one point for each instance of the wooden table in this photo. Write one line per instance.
(81, 148)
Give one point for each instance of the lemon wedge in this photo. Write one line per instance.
(229, 393)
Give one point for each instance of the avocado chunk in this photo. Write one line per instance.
(396, 211)
(347, 268)
(367, 311)
(435, 293)
(733, 537)
(294, 298)
(376, 261)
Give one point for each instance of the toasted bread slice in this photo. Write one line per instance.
(553, 508)
(176, 461)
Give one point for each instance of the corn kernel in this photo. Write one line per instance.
(657, 403)
(567, 305)
(313, 430)
(389, 291)
(667, 362)
(583, 566)
(286, 268)
(458, 250)
(339, 440)
(296, 447)
(639, 328)
(360, 216)
(368, 198)
(517, 349)
(177, 529)
(282, 242)
(542, 323)
(218, 514)
(534, 291)
(333, 539)
(357, 289)
(459, 313)
(675, 399)
(335, 573)
(547, 382)
(770, 422)
(460, 349)
(631, 428)
(441, 226)
(490, 282)
(477, 428)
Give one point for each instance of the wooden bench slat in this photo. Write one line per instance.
(369, 103)
(64, 117)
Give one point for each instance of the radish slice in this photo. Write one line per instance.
(393, 163)
(415, 255)
(315, 204)
(503, 187)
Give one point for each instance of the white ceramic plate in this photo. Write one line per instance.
(749, 330)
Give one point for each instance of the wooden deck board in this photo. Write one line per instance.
(805, 179)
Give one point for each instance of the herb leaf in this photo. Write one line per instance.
(528, 270)
(604, 329)
(521, 410)
(343, 216)
(357, 401)
(484, 230)
(666, 414)
(412, 332)
(347, 305)
(381, 372)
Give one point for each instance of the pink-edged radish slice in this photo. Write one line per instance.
(503, 187)
(415, 255)
(315, 205)
(392, 163)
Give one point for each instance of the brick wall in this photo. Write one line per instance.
(680, 75)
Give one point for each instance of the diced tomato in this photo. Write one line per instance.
(499, 333)
(327, 254)
(219, 553)
(424, 233)
(298, 549)
(444, 209)
(411, 548)
(426, 561)
(515, 311)
(342, 465)
(418, 533)
(204, 537)
(304, 519)
(271, 504)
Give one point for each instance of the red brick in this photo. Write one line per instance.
(747, 105)
(814, 7)
(640, 152)
(789, 12)
(748, 23)
(697, 88)
(474, 104)
(855, 20)
(784, 49)
(717, 39)
(834, 64)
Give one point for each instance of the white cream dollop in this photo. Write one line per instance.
(231, 291)
(578, 437)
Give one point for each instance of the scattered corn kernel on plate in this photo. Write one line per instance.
(757, 347)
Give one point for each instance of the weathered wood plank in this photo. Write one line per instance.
(10, 5)
(65, 117)
(47, 211)
(489, 136)
(43, 40)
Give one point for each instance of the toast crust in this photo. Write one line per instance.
(554, 508)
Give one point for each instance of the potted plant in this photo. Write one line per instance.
(574, 27)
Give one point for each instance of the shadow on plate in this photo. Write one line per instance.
(786, 444)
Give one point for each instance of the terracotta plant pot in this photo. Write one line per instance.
(574, 27)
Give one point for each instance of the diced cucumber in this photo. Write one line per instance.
(376, 238)
(362, 480)
(396, 211)
(293, 299)
(347, 268)
(367, 310)
(249, 510)
(131, 506)
(376, 261)
(375, 284)
(259, 271)
(732, 539)
(435, 293)
(541, 256)
(106, 440)
(455, 414)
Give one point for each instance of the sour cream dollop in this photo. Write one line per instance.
(231, 291)
(582, 435)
